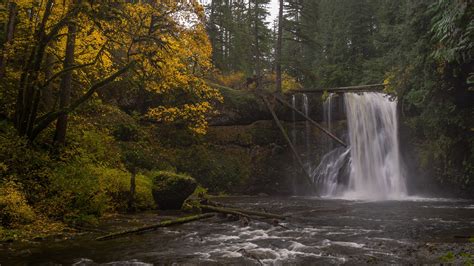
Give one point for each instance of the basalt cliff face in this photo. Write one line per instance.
(250, 150)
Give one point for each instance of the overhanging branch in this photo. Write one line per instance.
(48, 118)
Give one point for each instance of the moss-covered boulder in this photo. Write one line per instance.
(170, 190)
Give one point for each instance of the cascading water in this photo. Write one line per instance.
(293, 116)
(307, 132)
(327, 111)
(373, 169)
(375, 157)
(302, 137)
(328, 106)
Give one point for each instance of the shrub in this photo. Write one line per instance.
(92, 146)
(234, 80)
(79, 192)
(116, 184)
(74, 191)
(127, 132)
(26, 166)
(14, 209)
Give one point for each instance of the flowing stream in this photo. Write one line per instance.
(370, 168)
(318, 232)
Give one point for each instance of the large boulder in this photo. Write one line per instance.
(170, 190)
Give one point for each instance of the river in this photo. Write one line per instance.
(319, 231)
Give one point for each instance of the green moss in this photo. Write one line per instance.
(223, 135)
(264, 133)
(236, 98)
(170, 190)
(77, 191)
(218, 168)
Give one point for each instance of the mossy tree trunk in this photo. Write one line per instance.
(131, 200)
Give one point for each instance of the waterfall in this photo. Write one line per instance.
(373, 169)
(327, 111)
(328, 105)
(293, 117)
(302, 137)
(307, 133)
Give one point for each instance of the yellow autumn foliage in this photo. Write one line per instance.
(14, 210)
(165, 40)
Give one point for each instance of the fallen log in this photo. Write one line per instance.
(242, 212)
(224, 210)
(282, 101)
(167, 223)
(361, 88)
(341, 209)
(307, 175)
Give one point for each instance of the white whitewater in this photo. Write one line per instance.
(293, 116)
(376, 171)
(298, 137)
(373, 170)
(327, 111)
(307, 132)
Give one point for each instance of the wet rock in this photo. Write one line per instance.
(170, 190)
(25, 252)
(244, 221)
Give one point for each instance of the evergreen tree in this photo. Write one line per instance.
(240, 37)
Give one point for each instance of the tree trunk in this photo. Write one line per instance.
(45, 120)
(257, 46)
(9, 31)
(28, 91)
(177, 221)
(307, 175)
(242, 212)
(131, 200)
(49, 101)
(65, 86)
(278, 49)
(287, 104)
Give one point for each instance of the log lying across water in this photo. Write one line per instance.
(242, 212)
(167, 223)
(212, 209)
(249, 215)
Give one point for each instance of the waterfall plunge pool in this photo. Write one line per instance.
(320, 231)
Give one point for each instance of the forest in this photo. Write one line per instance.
(112, 108)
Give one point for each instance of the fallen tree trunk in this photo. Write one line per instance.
(295, 214)
(361, 88)
(242, 212)
(262, 216)
(167, 223)
(292, 146)
(311, 120)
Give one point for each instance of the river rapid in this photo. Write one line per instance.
(319, 232)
